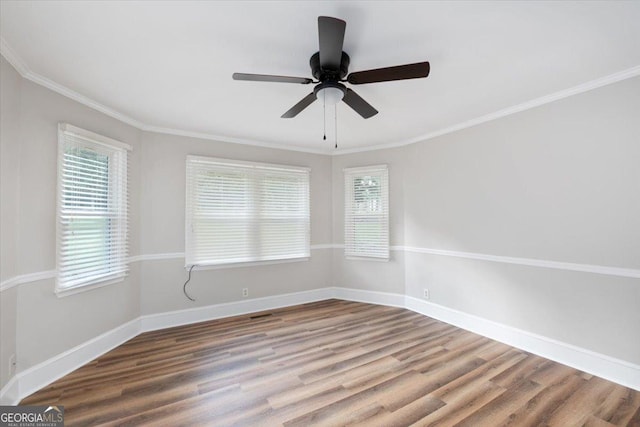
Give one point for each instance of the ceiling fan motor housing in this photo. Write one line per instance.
(329, 75)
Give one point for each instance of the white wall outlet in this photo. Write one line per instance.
(12, 364)
(425, 293)
(245, 292)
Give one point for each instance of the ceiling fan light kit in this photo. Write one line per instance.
(330, 68)
(330, 93)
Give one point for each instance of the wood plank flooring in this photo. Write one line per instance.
(332, 363)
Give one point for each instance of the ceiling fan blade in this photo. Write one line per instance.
(360, 106)
(269, 78)
(296, 109)
(400, 72)
(331, 37)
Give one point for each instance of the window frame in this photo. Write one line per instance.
(116, 210)
(241, 166)
(350, 175)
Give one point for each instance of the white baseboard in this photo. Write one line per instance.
(372, 297)
(36, 377)
(10, 393)
(612, 369)
(44, 373)
(151, 322)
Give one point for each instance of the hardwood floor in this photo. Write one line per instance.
(332, 363)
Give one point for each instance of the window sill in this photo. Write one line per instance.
(245, 264)
(65, 292)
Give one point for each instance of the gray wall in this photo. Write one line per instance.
(560, 182)
(10, 83)
(162, 228)
(36, 324)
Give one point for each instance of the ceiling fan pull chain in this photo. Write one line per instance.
(324, 116)
(335, 117)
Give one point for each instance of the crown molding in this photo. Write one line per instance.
(537, 102)
(24, 70)
(229, 139)
(13, 59)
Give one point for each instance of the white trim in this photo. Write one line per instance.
(42, 374)
(154, 257)
(152, 322)
(178, 255)
(38, 376)
(27, 278)
(587, 268)
(75, 96)
(116, 152)
(203, 249)
(246, 264)
(218, 161)
(92, 136)
(601, 365)
(10, 393)
(232, 140)
(558, 265)
(25, 72)
(372, 297)
(607, 367)
(537, 102)
(49, 274)
(13, 58)
(22, 68)
(366, 258)
(365, 169)
(94, 284)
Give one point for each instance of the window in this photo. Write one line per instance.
(92, 209)
(366, 212)
(245, 212)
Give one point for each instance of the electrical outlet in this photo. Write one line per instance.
(245, 292)
(12, 364)
(425, 293)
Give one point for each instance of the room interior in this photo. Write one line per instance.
(514, 186)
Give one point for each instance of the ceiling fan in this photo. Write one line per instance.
(330, 66)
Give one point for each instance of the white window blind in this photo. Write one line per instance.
(366, 203)
(245, 212)
(92, 209)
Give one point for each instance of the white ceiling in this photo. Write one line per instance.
(169, 64)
